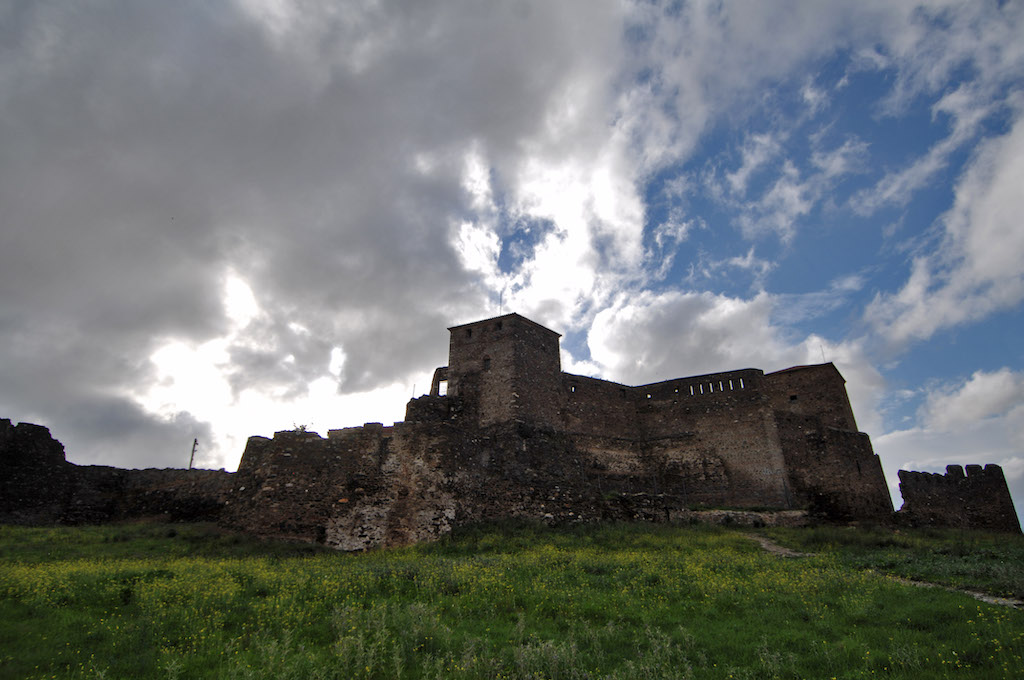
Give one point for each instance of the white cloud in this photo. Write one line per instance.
(757, 150)
(789, 199)
(985, 395)
(815, 98)
(650, 337)
(978, 421)
(791, 194)
(357, 166)
(758, 266)
(975, 270)
(968, 110)
(850, 157)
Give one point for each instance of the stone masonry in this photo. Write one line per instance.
(504, 433)
(977, 500)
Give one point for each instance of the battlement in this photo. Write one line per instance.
(978, 499)
(504, 433)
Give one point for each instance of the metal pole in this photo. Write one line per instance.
(195, 443)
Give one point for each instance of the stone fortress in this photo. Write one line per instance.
(504, 433)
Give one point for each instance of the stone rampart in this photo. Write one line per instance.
(38, 486)
(514, 437)
(833, 473)
(978, 500)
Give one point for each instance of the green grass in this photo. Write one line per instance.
(992, 563)
(624, 601)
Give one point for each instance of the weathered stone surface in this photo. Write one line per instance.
(515, 437)
(978, 500)
(38, 486)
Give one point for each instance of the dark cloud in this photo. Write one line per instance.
(152, 149)
(153, 152)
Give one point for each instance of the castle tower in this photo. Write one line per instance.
(505, 369)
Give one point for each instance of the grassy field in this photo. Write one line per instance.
(637, 601)
(992, 563)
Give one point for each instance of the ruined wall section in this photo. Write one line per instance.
(358, 488)
(978, 500)
(833, 473)
(428, 409)
(36, 483)
(817, 390)
(38, 486)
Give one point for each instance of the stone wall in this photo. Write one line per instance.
(514, 437)
(818, 391)
(38, 486)
(598, 408)
(357, 488)
(833, 473)
(719, 420)
(35, 480)
(505, 369)
(978, 500)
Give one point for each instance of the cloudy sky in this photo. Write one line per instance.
(220, 219)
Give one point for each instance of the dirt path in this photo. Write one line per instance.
(781, 551)
(774, 548)
(976, 594)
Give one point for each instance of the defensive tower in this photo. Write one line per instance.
(505, 369)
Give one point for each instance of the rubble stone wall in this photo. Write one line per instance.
(978, 500)
(515, 437)
(38, 486)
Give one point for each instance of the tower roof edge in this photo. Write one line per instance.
(519, 318)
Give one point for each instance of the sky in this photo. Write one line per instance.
(223, 219)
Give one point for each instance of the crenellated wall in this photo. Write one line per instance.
(515, 437)
(978, 500)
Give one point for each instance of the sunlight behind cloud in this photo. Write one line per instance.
(266, 204)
